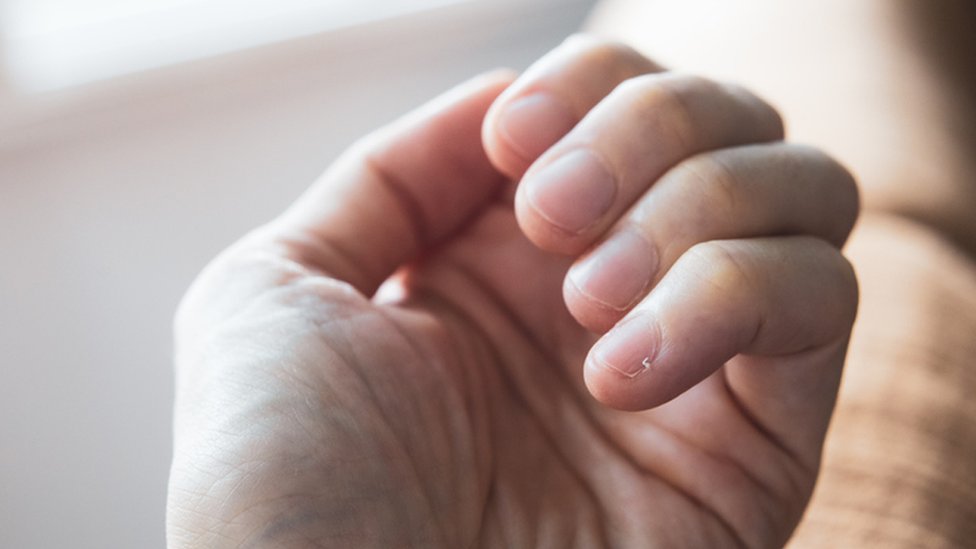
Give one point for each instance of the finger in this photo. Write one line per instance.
(584, 183)
(784, 297)
(398, 191)
(749, 191)
(553, 95)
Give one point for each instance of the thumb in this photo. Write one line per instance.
(398, 191)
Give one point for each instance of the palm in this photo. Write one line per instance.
(611, 475)
(588, 472)
(488, 435)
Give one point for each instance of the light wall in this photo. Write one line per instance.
(112, 197)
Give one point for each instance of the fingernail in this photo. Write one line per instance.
(534, 123)
(630, 348)
(616, 273)
(572, 192)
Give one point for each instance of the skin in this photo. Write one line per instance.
(445, 344)
(885, 86)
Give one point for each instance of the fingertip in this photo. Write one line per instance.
(624, 371)
(619, 392)
(543, 233)
(563, 201)
(592, 315)
(552, 95)
(522, 125)
(609, 280)
(649, 358)
(606, 393)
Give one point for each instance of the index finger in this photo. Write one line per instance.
(552, 96)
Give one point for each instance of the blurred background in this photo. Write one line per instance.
(137, 139)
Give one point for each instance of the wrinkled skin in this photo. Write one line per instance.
(450, 409)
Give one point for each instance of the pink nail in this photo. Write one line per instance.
(534, 123)
(573, 192)
(616, 273)
(629, 349)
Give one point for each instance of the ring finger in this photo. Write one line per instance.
(743, 192)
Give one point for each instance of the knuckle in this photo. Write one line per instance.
(656, 98)
(679, 86)
(832, 279)
(829, 289)
(765, 121)
(840, 188)
(848, 290)
(723, 265)
(837, 172)
(600, 51)
(769, 120)
(686, 88)
(683, 101)
(716, 185)
(845, 196)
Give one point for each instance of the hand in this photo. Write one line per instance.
(453, 408)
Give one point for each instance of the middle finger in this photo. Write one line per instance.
(578, 188)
